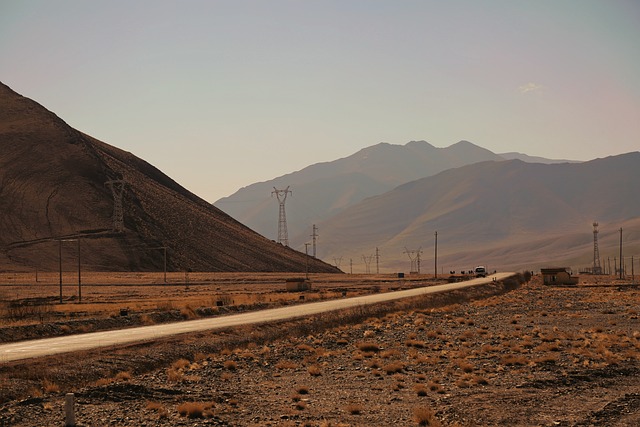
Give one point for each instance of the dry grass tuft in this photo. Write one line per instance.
(50, 386)
(314, 370)
(123, 376)
(354, 409)
(393, 368)
(195, 410)
(425, 417)
(230, 365)
(368, 347)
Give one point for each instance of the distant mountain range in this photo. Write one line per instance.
(52, 189)
(325, 189)
(507, 214)
(509, 210)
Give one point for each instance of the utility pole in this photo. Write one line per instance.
(435, 269)
(621, 261)
(377, 261)
(350, 265)
(281, 195)
(314, 235)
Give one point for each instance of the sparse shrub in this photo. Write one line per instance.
(180, 364)
(230, 365)
(103, 381)
(393, 368)
(303, 390)
(50, 386)
(425, 417)
(354, 409)
(123, 376)
(421, 390)
(465, 366)
(305, 347)
(314, 370)
(286, 364)
(368, 347)
(387, 354)
(174, 376)
(511, 359)
(191, 410)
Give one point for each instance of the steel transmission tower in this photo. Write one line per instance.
(117, 189)
(414, 256)
(281, 195)
(597, 269)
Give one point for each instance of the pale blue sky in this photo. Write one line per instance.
(220, 94)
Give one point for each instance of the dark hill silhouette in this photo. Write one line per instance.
(52, 186)
(489, 207)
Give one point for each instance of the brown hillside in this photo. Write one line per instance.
(52, 186)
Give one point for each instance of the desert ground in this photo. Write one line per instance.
(517, 353)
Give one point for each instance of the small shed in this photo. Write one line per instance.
(558, 276)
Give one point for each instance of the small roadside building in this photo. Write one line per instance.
(558, 276)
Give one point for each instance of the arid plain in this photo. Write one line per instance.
(504, 354)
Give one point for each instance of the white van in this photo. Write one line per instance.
(480, 271)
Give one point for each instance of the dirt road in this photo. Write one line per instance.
(50, 346)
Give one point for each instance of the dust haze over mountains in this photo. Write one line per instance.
(507, 210)
(52, 187)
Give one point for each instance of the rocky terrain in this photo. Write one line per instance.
(535, 355)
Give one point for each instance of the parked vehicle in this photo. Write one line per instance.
(480, 271)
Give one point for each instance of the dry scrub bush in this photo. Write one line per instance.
(123, 376)
(368, 347)
(420, 389)
(230, 365)
(393, 368)
(425, 417)
(301, 405)
(465, 366)
(286, 364)
(50, 387)
(354, 409)
(512, 359)
(159, 408)
(388, 354)
(180, 364)
(302, 390)
(305, 347)
(195, 410)
(314, 370)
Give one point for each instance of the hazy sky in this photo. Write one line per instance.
(219, 94)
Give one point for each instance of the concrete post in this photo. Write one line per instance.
(69, 410)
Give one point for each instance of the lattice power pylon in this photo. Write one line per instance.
(281, 195)
(367, 263)
(596, 269)
(414, 256)
(117, 189)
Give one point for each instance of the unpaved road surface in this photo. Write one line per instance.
(50, 346)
